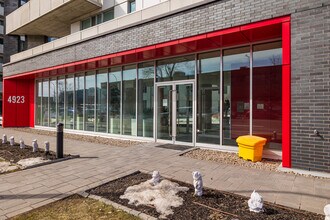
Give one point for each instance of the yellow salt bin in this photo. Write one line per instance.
(250, 147)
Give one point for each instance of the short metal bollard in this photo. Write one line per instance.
(47, 147)
(59, 141)
(4, 139)
(34, 146)
(12, 141)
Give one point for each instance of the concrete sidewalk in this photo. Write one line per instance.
(24, 190)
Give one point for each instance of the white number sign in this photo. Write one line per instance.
(16, 99)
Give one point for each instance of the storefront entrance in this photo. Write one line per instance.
(175, 111)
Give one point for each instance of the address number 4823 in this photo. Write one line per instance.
(16, 99)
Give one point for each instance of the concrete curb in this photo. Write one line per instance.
(304, 172)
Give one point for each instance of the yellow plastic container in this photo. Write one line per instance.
(250, 147)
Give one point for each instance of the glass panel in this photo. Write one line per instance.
(184, 113)
(99, 19)
(79, 99)
(39, 107)
(164, 112)
(108, 15)
(90, 101)
(179, 68)
(267, 93)
(52, 102)
(86, 24)
(131, 6)
(60, 100)
(69, 86)
(114, 100)
(236, 94)
(208, 105)
(129, 100)
(146, 100)
(45, 95)
(101, 100)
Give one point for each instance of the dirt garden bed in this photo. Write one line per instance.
(231, 158)
(12, 156)
(80, 137)
(212, 205)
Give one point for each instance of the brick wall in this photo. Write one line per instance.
(310, 58)
(311, 89)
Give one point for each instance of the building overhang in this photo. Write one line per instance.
(49, 18)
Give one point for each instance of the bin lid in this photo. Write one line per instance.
(251, 140)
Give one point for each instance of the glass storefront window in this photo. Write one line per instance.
(45, 109)
(90, 101)
(129, 100)
(208, 105)
(101, 100)
(114, 94)
(236, 94)
(60, 99)
(69, 87)
(39, 104)
(52, 102)
(120, 100)
(267, 93)
(79, 101)
(179, 68)
(146, 77)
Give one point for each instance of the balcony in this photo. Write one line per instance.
(48, 17)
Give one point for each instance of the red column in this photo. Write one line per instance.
(286, 94)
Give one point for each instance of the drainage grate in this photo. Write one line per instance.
(175, 147)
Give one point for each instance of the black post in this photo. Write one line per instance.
(59, 141)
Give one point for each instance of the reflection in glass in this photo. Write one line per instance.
(101, 100)
(179, 68)
(146, 99)
(45, 96)
(184, 112)
(60, 100)
(39, 104)
(114, 100)
(164, 113)
(79, 99)
(236, 94)
(90, 101)
(208, 115)
(69, 86)
(52, 103)
(267, 93)
(129, 100)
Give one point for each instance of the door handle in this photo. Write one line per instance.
(170, 111)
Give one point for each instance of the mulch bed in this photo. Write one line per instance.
(212, 205)
(15, 153)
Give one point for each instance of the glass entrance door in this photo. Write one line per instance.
(175, 112)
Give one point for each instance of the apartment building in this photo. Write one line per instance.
(188, 72)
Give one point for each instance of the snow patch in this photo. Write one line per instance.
(327, 212)
(31, 161)
(162, 196)
(7, 167)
